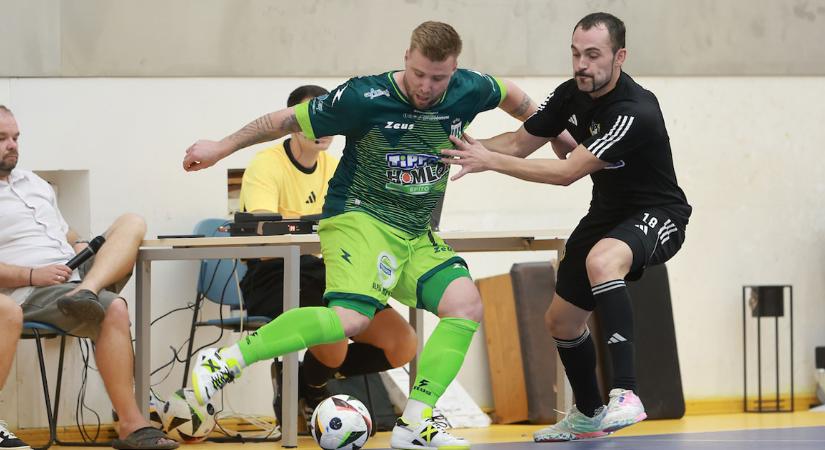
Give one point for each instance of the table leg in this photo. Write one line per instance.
(143, 342)
(289, 377)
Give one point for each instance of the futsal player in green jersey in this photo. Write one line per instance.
(375, 234)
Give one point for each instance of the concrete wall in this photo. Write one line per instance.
(180, 38)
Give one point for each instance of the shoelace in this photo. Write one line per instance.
(440, 421)
(220, 379)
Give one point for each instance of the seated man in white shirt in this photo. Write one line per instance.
(36, 285)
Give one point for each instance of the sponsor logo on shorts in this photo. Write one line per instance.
(387, 267)
(346, 255)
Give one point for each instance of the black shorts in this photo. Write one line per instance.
(263, 285)
(653, 234)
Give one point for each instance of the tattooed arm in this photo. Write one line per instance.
(203, 154)
(517, 103)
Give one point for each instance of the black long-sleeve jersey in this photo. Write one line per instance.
(625, 128)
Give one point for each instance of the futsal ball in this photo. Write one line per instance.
(341, 422)
(155, 405)
(184, 420)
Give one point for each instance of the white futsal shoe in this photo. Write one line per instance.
(429, 434)
(211, 373)
(624, 409)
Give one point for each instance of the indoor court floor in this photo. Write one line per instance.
(780, 431)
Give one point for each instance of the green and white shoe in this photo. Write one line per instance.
(573, 427)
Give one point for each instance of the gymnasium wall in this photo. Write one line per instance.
(115, 91)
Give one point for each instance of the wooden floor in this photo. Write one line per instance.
(523, 433)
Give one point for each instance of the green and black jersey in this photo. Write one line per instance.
(391, 166)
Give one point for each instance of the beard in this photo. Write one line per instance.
(7, 167)
(411, 96)
(597, 84)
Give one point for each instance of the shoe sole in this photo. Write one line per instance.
(625, 424)
(421, 447)
(84, 309)
(577, 437)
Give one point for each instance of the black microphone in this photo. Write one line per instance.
(86, 253)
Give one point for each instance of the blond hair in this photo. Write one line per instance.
(436, 40)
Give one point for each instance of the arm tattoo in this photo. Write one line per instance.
(524, 106)
(290, 124)
(259, 130)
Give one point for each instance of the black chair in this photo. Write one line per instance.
(39, 331)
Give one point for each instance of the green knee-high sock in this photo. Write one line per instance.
(292, 331)
(442, 357)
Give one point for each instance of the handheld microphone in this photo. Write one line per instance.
(86, 253)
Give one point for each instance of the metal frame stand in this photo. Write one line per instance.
(767, 302)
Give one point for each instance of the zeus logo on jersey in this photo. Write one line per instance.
(399, 126)
(414, 173)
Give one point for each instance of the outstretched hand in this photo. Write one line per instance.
(202, 154)
(469, 154)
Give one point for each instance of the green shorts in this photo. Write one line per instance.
(368, 261)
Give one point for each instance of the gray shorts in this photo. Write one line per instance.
(41, 305)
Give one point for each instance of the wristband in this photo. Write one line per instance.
(31, 271)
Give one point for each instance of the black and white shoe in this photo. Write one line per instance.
(8, 441)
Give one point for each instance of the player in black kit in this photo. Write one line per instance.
(603, 124)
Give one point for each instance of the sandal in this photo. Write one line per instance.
(146, 438)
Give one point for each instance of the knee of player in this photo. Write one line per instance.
(465, 307)
(402, 348)
(601, 267)
(560, 328)
(353, 322)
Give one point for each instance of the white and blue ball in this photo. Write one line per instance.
(341, 422)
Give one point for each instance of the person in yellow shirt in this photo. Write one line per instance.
(291, 178)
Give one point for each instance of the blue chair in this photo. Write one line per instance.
(218, 282)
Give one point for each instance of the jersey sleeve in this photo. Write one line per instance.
(548, 121)
(622, 131)
(335, 113)
(260, 189)
(490, 89)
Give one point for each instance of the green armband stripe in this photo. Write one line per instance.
(503, 89)
(302, 114)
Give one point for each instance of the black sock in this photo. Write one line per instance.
(314, 373)
(616, 318)
(363, 359)
(579, 359)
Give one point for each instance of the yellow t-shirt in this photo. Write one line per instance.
(274, 181)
